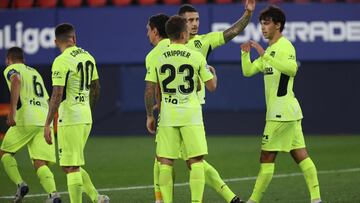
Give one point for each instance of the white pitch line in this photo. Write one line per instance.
(185, 184)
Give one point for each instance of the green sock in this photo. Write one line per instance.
(308, 168)
(158, 196)
(88, 186)
(75, 183)
(213, 179)
(262, 181)
(197, 181)
(166, 182)
(11, 169)
(46, 179)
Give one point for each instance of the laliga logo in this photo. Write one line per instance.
(30, 39)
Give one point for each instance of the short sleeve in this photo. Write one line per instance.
(204, 71)
(59, 71)
(150, 69)
(215, 39)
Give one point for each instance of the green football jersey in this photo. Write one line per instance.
(279, 67)
(33, 103)
(205, 44)
(74, 69)
(177, 69)
(159, 47)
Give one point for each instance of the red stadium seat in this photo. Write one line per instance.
(121, 2)
(47, 3)
(146, 2)
(23, 3)
(172, 2)
(4, 4)
(197, 1)
(352, 1)
(72, 3)
(301, 1)
(223, 1)
(275, 1)
(327, 1)
(96, 3)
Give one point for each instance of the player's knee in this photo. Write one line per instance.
(2, 153)
(71, 169)
(267, 157)
(195, 160)
(39, 163)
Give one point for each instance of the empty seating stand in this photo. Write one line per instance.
(96, 3)
(47, 3)
(121, 2)
(22, 3)
(72, 3)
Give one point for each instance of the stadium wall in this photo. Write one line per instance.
(327, 50)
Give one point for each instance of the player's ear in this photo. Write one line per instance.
(277, 26)
(74, 39)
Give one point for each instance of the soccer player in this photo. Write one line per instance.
(76, 88)
(283, 130)
(207, 42)
(159, 39)
(28, 108)
(177, 70)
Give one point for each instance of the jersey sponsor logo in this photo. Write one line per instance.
(268, 71)
(56, 74)
(303, 31)
(198, 44)
(30, 39)
(35, 102)
(80, 97)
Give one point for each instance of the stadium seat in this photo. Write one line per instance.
(47, 3)
(72, 3)
(96, 3)
(275, 1)
(146, 2)
(172, 2)
(352, 1)
(23, 3)
(197, 1)
(121, 2)
(4, 4)
(223, 1)
(327, 1)
(301, 1)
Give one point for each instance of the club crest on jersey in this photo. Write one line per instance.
(197, 44)
(272, 53)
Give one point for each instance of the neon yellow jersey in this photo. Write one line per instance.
(178, 68)
(33, 103)
(279, 67)
(74, 69)
(205, 44)
(159, 47)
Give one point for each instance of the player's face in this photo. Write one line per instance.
(151, 34)
(193, 22)
(269, 28)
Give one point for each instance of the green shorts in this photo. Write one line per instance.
(33, 136)
(282, 136)
(169, 141)
(72, 140)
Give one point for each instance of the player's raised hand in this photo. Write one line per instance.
(250, 5)
(246, 46)
(47, 134)
(10, 121)
(258, 47)
(150, 124)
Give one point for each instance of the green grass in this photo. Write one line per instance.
(128, 161)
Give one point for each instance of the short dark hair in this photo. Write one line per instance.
(275, 14)
(15, 54)
(64, 31)
(186, 8)
(158, 21)
(175, 26)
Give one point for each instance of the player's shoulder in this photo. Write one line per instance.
(210, 35)
(284, 42)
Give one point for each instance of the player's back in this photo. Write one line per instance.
(33, 102)
(74, 69)
(178, 70)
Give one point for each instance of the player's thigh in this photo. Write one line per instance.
(15, 138)
(71, 141)
(38, 148)
(298, 141)
(168, 142)
(278, 136)
(194, 140)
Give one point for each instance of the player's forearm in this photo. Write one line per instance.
(54, 103)
(149, 98)
(94, 93)
(286, 66)
(14, 93)
(238, 26)
(248, 68)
